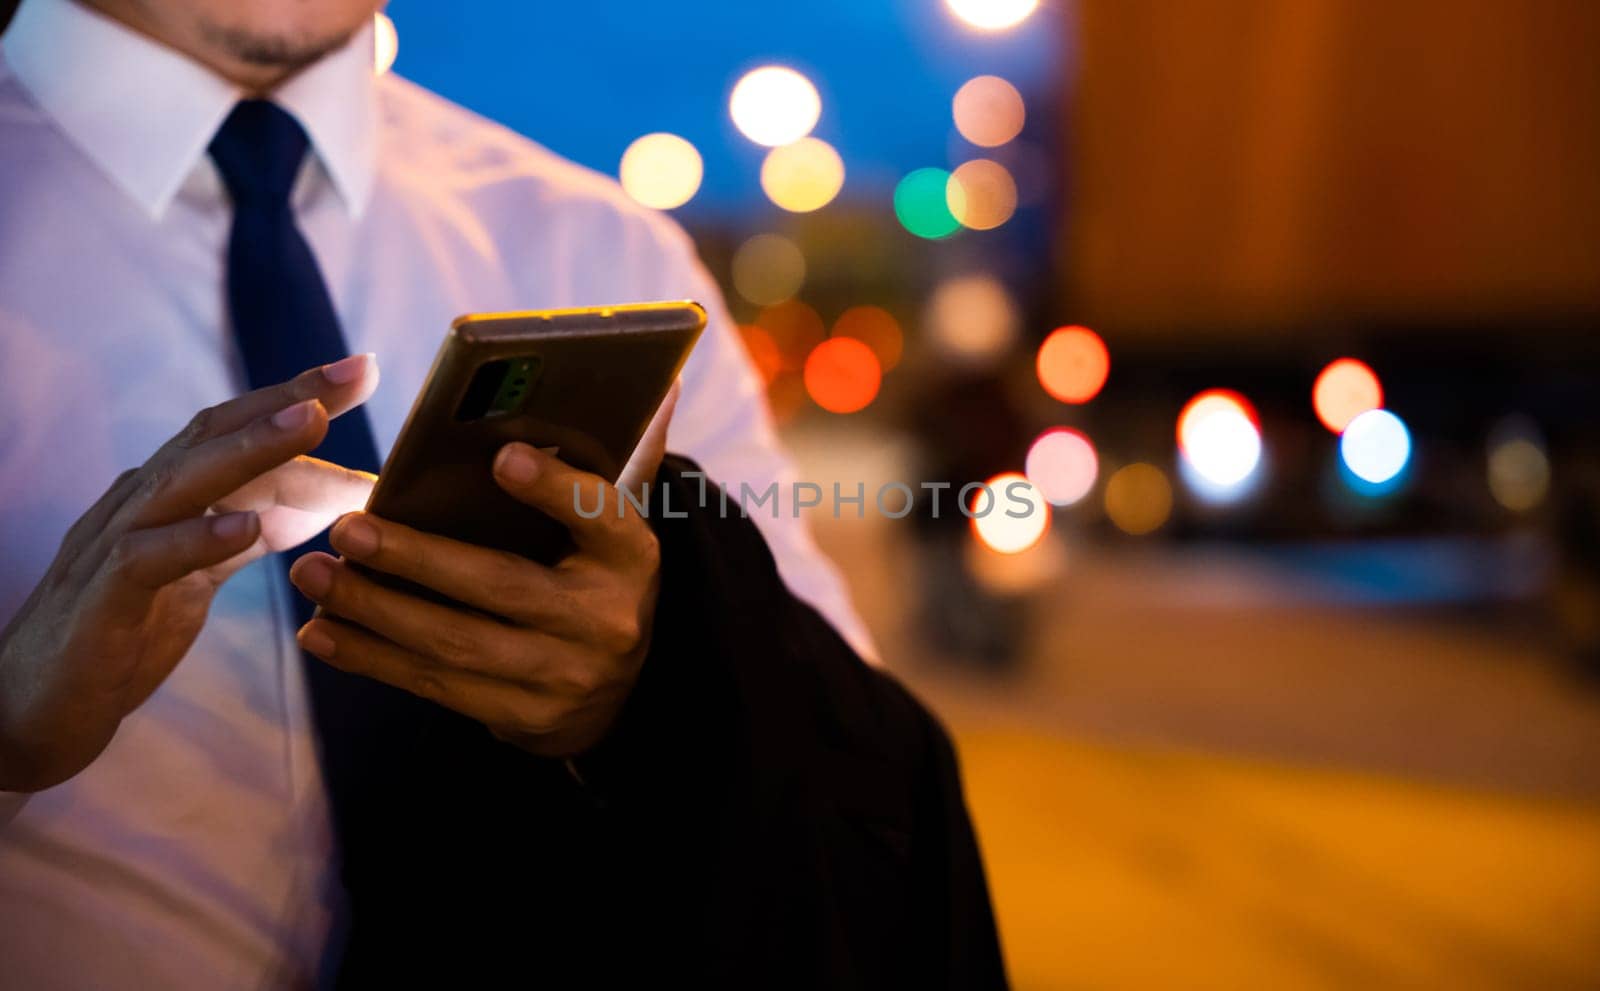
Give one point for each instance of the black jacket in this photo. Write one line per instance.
(769, 812)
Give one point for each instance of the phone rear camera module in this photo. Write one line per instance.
(500, 388)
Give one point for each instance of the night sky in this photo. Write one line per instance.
(586, 78)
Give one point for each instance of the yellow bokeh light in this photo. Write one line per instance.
(992, 15)
(768, 268)
(661, 170)
(1519, 467)
(1519, 474)
(981, 194)
(1012, 516)
(988, 111)
(774, 105)
(802, 176)
(1138, 498)
(385, 43)
(972, 318)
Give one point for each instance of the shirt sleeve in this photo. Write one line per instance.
(723, 422)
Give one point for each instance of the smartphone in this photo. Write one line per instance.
(580, 383)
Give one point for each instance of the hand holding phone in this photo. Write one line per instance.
(541, 640)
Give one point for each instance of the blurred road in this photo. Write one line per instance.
(1209, 772)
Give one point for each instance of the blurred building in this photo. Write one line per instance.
(1251, 165)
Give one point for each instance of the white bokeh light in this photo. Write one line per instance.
(1014, 514)
(1375, 446)
(385, 43)
(774, 105)
(992, 15)
(1219, 441)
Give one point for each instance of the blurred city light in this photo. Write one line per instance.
(988, 111)
(972, 319)
(1220, 440)
(981, 194)
(992, 514)
(992, 15)
(1063, 464)
(876, 328)
(1014, 574)
(795, 328)
(921, 202)
(661, 171)
(842, 375)
(764, 351)
(1343, 391)
(803, 176)
(385, 43)
(768, 269)
(1138, 498)
(1519, 468)
(1375, 446)
(1073, 364)
(774, 105)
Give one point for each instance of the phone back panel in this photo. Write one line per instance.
(598, 376)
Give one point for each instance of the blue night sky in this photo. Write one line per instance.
(586, 78)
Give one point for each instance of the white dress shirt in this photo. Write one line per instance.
(196, 851)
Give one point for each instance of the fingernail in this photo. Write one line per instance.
(346, 369)
(356, 537)
(293, 417)
(231, 526)
(313, 576)
(516, 463)
(314, 641)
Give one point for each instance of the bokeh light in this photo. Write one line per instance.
(661, 170)
(1343, 391)
(1016, 574)
(795, 328)
(1063, 464)
(988, 111)
(972, 319)
(774, 105)
(981, 194)
(997, 528)
(1519, 467)
(385, 43)
(802, 176)
(992, 15)
(764, 351)
(1219, 439)
(842, 375)
(768, 269)
(876, 328)
(921, 202)
(1073, 364)
(1138, 498)
(1375, 446)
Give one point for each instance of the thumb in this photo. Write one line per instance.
(641, 467)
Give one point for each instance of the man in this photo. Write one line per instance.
(653, 758)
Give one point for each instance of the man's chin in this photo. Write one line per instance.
(269, 50)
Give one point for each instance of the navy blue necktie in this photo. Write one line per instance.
(284, 322)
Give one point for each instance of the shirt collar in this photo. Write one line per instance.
(144, 113)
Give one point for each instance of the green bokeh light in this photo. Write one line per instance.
(919, 202)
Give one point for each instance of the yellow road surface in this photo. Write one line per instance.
(1128, 868)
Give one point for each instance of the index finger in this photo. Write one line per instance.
(339, 386)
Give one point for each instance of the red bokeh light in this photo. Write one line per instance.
(842, 375)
